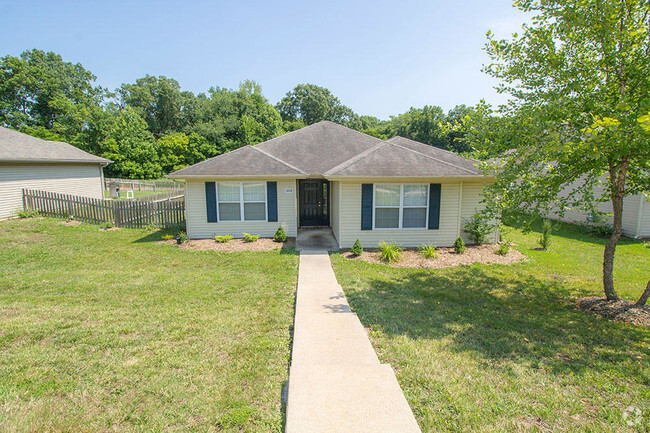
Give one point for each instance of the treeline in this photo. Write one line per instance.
(152, 127)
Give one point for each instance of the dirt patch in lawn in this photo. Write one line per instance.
(71, 223)
(447, 257)
(621, 311)
(262, 244)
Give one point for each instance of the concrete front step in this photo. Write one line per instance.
(337, 398)
(337, 339)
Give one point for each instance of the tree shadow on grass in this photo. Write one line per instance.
(502, 317)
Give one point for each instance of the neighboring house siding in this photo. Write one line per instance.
(76, 179)
(630, 212)
(644, 221)
(335, 208)
(197, 221)
(450, 223)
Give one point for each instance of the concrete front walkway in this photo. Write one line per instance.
(336, 383)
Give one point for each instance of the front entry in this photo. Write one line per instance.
(314, 202)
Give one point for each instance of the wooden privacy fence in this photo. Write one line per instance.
(121, 213)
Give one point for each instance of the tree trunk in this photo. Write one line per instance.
(644, 297)
(617, 181)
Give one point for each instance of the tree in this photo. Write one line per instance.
(423, 125)
(177, 150)
(311, 104)
(579, 80)
(40, 90)
(130, 146)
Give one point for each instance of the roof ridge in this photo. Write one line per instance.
(433, 157)
(275, 158)
(430, 145)
(214, 157)
(355, 158)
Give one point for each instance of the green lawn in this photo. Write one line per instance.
(502, 348)
(111, 331)
(136, 194)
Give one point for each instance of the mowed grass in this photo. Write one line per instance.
(136, 194)
(503, 348)
(111, 331)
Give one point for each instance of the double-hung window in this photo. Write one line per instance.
(400, 206)
(241, 201)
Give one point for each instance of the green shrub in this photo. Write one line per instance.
(182, 237)
(390, 252)
(503, 249)
(251, 238)
(547, 234)
(280, 235)
(428, 251)
(459, 245)
(357, 248)
(478, 228)
(167, 237)
(646, 244)
(222, 239)
(27, 213)
(600, 230)
(106, 226)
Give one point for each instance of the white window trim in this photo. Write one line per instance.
(241, 203)
(401, 207)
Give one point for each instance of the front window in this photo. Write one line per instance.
(241, 201)
(401, 206)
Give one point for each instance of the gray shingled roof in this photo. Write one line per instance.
(18, 147)
(328, 149)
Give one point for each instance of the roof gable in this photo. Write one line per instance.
(18, 147)
(437, 153)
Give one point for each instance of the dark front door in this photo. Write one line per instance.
(314, 202)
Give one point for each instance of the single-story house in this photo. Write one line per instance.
(325, 174)
(32, 163)
(636, 212)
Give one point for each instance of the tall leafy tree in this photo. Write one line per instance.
(130, 146)
(40, 90)
(311, 104)
(579, 80)
(177, 150)
(423, 125)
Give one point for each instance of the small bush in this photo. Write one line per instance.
(503, 249)
(280, 235)
(478, 228)
(106, 226)
(182, 237)
(390, 252)
(167, 237)
(223, 238)
(428, 251)
(150, 228)
(27, 213)
(251, 238)
(357, 248)
(646, 244)
(547, 234)
(600, 230)
(459, 245)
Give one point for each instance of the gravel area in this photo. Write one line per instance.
(447, 257)
(621, 311)
(262, 244)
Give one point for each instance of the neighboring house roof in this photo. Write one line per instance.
(18, 147)
(328, 149)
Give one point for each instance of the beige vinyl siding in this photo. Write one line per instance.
(630, 211)
(77, 179)
(198, 226)
(335, 208)
(644, 220)
(450, 211)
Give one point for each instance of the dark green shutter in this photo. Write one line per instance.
(434, 206)
(272, 200)
(211, 201)
(366, 206)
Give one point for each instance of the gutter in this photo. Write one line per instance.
(103, 163)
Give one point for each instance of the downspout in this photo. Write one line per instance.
(460, 207)
(639, 216)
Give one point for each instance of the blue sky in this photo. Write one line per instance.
(378, 57)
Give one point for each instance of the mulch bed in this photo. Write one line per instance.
(262, 244)
(447, 257)
(621, 311)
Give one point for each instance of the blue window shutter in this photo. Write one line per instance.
(434, 206)
(211, 201)
(366, 206)
(272, 200)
